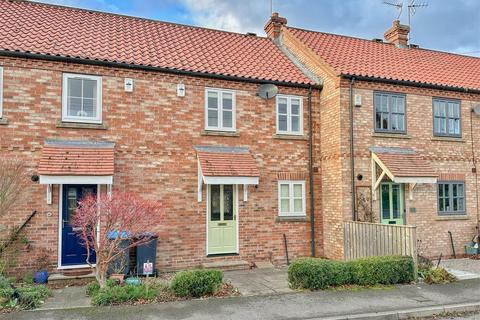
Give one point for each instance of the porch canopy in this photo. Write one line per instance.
(226, 165)
(401, 165)
(76, 162)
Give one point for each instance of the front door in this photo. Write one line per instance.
(391, 203)
(73, 253)
(222, 219)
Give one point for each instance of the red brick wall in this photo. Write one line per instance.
(155, 133)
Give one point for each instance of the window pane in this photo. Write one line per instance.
(212, 118)
(456, 126)
(74, 107)
(284, 191)
(401, 104)
(227, 119)
(298, 205)
(385, 201)
(436, 108)
(282, 123)
(396, 201)
(227, 101)
(89, 107)
(378, 120)
(460, 190)
(282, 106)
(440, 190)
(214, 202)
(295, 123)
(461, 204)
(74, 87)
(285, 205)
(228, 202)
(384, 103)
(384, 121)
(441, 206)
(297, 191)
(89, 89)
(295, 106)
(212, 100)
(378, 102)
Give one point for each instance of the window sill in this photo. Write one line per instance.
(452, 139)
(3, 121)
(220, 133)
(289, 137)
(292, 219)
(75, 125)
(391, 135)
(452, 217)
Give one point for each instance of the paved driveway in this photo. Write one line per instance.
(259, 281)
(463, 269)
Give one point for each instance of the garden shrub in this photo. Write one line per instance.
(32, 296)
(383, 270)
(92, 288)
(125, 293)
(196, 283)
(438, 275)
(313, 273)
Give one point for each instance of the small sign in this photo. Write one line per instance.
(147, 267)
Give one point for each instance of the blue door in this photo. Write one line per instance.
(73, 253)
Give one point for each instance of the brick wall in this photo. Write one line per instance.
(155, 133)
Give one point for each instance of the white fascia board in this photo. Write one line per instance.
(76, 179)
(230, 180)
(415, 179)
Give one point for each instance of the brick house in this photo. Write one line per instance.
(95, 101)
(406, 114)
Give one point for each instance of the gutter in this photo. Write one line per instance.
(124, 65)
(410, 83)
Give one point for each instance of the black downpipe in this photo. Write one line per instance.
(352, 153)
(310, 173)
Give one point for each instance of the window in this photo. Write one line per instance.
(1, 92)
(389, 112)
(451, 197)
(289, 115)
(446, 118)
(219, 110)
(291, 198)
(81, 98)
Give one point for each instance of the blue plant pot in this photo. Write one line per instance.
(40, 277)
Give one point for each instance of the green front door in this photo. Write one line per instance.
(222, 219)
(391, 203)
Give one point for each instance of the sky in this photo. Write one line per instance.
(446, 25)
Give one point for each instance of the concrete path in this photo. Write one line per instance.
(259, 281)
(394, 303)
(67, 298)
(463, 269)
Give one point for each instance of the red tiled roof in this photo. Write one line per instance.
(227, 164)
(54, 30)
(360, 57)
(406, 164)
(71, 158)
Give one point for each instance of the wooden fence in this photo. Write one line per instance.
(363, 239)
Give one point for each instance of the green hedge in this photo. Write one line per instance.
(196, 283)
(314, 273)
(118, 294)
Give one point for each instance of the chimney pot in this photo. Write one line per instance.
(273, 27)
(397, 34)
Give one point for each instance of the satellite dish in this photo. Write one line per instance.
(476, 109)
(267, 91)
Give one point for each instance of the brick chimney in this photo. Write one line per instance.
(397, 34)
(274, 25)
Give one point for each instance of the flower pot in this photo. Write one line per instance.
(40, 276)
(117, 277)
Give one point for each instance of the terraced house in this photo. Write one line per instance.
(95, 102)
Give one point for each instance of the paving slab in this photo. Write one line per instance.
(463, 269)
(259, 281)
(67, 298)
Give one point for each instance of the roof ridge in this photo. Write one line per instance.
(132, 17)
(382, 43)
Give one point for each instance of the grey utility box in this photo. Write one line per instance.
(146, 257)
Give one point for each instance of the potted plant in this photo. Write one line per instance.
(41, 275)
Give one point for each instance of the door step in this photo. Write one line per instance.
(68, 279)
(264, 265)
(227, 265)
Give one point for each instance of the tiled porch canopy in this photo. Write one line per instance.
(225, 165)
(401, 166)
(76, 162)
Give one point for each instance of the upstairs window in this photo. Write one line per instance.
(219, 110)
(446, 118)
(291, 198)
(81, 98)
(451, 198)
(289, 115)
(389, 112)
(1, 92)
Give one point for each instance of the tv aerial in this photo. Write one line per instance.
(412, 8)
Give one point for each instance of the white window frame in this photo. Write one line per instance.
(291, 198)
(65, 117)
(1, 92)
(289, 115)
(220, 126)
